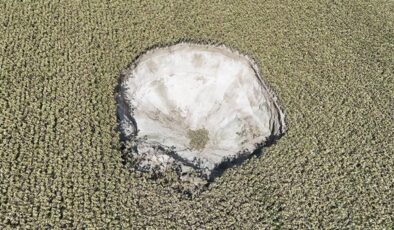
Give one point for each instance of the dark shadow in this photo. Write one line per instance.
(219, 170)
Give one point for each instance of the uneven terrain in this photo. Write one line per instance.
(329, 62)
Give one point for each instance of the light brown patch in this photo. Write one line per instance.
(152, 66)
(197, 60)
(198, 138)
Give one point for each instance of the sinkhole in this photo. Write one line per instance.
(193, 108)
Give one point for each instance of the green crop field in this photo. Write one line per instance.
(329, 62)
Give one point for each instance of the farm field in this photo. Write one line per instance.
(329, 62)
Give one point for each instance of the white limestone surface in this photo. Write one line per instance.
(195, 106)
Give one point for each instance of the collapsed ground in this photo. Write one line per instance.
(330, 62)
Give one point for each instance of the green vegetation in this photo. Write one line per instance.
(329, 62)
(198, 138)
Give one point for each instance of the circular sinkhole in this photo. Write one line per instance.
(194, 108)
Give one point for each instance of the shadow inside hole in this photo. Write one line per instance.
(222, 167)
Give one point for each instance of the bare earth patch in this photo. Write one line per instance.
(191, 107)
